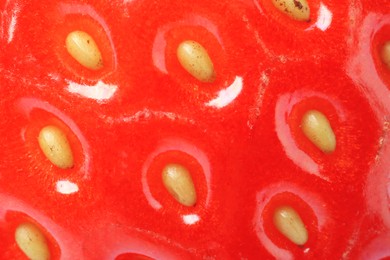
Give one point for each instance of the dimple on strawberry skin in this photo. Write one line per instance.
(240, 129)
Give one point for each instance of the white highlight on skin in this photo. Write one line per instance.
(325, 17)
(12, 25)
(27, 105)
(100, 92)
(228, 95)
(66, 187)
(264, 197)
(191, 219)
(175, 145)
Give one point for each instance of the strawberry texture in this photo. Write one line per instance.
(240, 136)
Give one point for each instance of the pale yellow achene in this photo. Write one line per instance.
(290, 224)
(55, 145)
(32, 242)
(178, 181)
(318, 130)
(196, 61)
(82, 47)
(296, 9)
(385, 54)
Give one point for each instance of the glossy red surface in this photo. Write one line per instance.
(240, 136)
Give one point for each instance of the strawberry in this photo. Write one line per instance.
(194, 130)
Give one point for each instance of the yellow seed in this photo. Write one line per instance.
(385, 54)
(32, 242)
(82, 47)
(177, 180)
(318, 130)
(55, 145)
(290, 224)
(296, 9)
(196, 61)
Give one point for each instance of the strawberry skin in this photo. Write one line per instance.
(241, 129)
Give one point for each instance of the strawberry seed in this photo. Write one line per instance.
(318, 130)
(385, 54)
(196, 61)
(82, 47)
(177, 180)
(55, 145)
(296, 9)
(32, 242)
(290, 224)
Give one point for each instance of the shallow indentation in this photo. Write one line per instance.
(174, 154)
(273, 201)
(132, 256)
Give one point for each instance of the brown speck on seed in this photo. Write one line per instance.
(298, 4)
(296, 9)
(194, 59)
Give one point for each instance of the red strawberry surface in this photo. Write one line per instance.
(239, 133)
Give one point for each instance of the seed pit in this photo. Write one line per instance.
(196, 61)
(55, 146)
(290, 224)
(131, 256)
(318, 130)
(385, 54)
(296, 9)
(178, 181)
(32, 242)
(83, 48)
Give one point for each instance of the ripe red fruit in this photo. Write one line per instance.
(238, 129)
